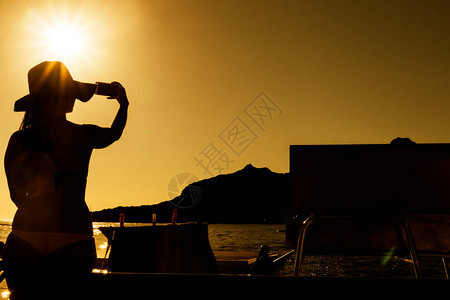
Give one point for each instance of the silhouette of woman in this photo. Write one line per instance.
(46, 165)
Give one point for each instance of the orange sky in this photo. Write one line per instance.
(198, 74)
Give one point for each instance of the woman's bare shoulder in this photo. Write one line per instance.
(15, 139)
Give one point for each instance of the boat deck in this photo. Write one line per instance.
(228, 262)
(223, 286)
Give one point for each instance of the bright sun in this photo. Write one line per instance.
(64, 41)
(62, 33)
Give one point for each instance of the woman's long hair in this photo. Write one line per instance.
(32, 138)
(26, 121)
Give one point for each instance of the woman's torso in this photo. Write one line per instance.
(53, 169)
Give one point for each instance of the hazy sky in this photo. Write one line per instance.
(215, 85)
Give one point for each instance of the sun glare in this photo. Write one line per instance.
(63, 33)
(64, 41)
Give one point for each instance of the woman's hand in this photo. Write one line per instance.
(121, 94)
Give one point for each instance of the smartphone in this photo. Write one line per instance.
(106, 89)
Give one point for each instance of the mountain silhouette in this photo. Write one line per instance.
(250, 195)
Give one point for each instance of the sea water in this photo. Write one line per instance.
(250, 237)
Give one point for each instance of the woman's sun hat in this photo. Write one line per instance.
(53, 76)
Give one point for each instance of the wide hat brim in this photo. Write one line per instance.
(83, 92)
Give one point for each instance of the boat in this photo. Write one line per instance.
(180, 248)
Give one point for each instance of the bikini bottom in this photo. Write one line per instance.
(46, 260)
(48, 242)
